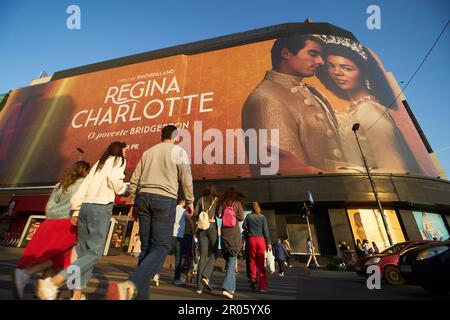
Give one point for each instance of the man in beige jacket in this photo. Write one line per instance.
(157, 177)
(308, 129)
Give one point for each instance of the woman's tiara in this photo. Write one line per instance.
(352, 45)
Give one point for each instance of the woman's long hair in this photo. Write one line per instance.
(115, 149)
(232, 195)
(72, 174)
(210, 191)
(256, 208)
(369, 70)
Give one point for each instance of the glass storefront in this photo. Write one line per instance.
(298, 234)
(368, 224)
(431, 225)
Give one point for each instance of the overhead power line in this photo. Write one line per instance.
(410, 79)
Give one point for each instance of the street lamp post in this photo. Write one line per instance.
(374, 189)
(307, 208)
(307, 205)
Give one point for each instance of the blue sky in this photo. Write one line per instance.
(34, 37)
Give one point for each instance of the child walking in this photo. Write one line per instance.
(51, 246)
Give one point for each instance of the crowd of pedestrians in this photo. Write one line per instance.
(80, 209)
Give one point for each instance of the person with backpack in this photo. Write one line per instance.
(231, 211)
(207, 235)
(257, 230)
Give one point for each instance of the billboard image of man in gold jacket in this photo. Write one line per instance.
(308, 129)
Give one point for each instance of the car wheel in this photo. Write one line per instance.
(436, 289)
(393, 276)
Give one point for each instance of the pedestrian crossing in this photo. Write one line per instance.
(119, 269)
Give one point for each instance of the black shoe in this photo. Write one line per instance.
(252, 283)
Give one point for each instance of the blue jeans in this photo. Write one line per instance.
(176, 247)
(156, 214)
(229, 283)
(93, 226)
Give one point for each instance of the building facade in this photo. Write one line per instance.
(223, 93)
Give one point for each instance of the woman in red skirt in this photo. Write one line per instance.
(258, 242)
(51, 246)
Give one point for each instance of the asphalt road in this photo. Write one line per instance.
(298, 283)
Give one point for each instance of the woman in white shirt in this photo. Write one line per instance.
(92, 205)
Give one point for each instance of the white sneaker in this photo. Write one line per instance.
(20, 278)
(155, 280)
(281, 274)
(46, 290)
(83, 297)
(121, 291)
(227, 294)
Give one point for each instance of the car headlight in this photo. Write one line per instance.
(372, 261)
(429, 253)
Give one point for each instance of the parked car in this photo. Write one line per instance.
(387, 261)
(428, 266)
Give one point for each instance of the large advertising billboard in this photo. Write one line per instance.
(284, 106)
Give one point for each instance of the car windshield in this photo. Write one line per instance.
(395, 248)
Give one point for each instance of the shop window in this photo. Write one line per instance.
(431, 226)
(368, 224)
(298, 233)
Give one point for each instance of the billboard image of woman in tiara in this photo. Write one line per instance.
(351, 73)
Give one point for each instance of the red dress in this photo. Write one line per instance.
(53, 240)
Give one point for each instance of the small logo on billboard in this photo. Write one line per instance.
(74, 20)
